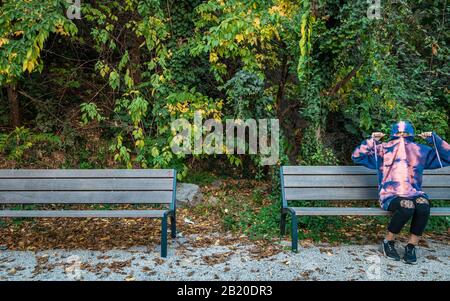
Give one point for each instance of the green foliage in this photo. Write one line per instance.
(438, 224)
(16, 143)
(243, 59)
(201, 177)
(24, 28)
(390, 60)
(246, 96)
(322, 228)
(257, 217)
(313, 152)
(305, 44)
(234, 28)
(249, 217)
(90, 112)
(120, 65)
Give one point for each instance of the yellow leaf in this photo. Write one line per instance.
(31, 65)
(213, 57)
(29, 53)
(256, 22)
(28, 65)
(3, 41)
(25, 66)
(59, 29)
(239, 37)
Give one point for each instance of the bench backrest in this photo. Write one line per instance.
(85, 186)
(349, 183)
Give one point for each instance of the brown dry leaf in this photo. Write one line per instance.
(216, 258)
(158, 261)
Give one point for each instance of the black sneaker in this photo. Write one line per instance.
(410, 254)
(388, 247)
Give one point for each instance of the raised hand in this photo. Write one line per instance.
(425, 135)
(378, 135)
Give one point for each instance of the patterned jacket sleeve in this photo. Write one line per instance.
(364, 154)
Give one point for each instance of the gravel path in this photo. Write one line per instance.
(233, 262)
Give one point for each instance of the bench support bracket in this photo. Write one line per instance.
(283, 222)
(294, 226)
(173, 225)
(164, 235)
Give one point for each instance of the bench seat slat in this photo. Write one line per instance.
(345, 170)
(351, 193)
(85, 197)
(306, 211)
(86, 173)
(354, 181)
(84, 213)
(86, 184)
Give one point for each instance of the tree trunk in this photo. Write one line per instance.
(292, 124)
(281, 104)
(133, 43)
(135, 60)
(14, 110)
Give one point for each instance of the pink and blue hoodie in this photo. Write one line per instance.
(400, 162)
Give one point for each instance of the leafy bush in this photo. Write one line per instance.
(16, 143)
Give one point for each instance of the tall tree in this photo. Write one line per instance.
(24, 28)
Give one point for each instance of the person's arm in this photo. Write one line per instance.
(365, 155)
(440, 155)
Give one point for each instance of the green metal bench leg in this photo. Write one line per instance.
(173, 226)
(164, 236)
(294, 232)
(283, 224)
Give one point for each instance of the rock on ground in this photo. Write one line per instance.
(232, 262)
(188, 195)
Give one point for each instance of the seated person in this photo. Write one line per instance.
(400, 163)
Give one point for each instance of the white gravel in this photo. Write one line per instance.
(234, 262)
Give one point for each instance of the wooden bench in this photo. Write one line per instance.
(115, 186)
(345, 183)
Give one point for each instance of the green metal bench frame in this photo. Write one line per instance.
(345, 183)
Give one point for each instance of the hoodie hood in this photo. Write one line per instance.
(402, 126)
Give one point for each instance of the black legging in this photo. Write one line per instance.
(418, 209)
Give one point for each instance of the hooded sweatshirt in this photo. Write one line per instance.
(400, 162)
